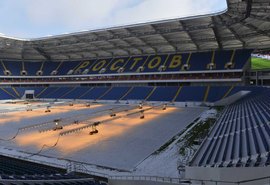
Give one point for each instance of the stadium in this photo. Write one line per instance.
(177, 101)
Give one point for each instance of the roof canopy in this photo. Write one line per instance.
(246, 24)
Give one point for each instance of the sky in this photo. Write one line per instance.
(41, 18)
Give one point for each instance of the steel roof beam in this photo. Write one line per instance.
(43, 53)
(236, 35)
(217, 35)
(190, 35)
(260, 18)
(254, 28)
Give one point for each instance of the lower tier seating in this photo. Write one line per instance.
(141, 93)
(241, 135)
(20, 172)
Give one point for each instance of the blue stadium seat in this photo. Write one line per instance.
(192, 93)
(115, 93)
(221, 58)
(95, 93)
(199, 61)
(14, 67)
(217, 93)
(153, 63)
(48, 67)
(163, 94)
(66, 67)
(245, 126)
(32, 67)
(58, 93)
(241, 58)
(116, 64)
(138, 93)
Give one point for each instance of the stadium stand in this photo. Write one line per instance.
(95, 93)
(46, 92)
(146, 64)
(22, 171)
(158, 93)
(49, 67)
(21, 90)
(11, 166)
(138, 93)
(163, 94)
(216, 93)
(32, 68)
(5, 94)
(204, 60)
(239, 137)
(76, 93)
(57, 93)
(192, 93)
(14, 67)
(115, 93)
(65, 68)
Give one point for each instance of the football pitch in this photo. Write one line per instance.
(259, 63)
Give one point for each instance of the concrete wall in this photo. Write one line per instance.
(228, 174)
(231, 99)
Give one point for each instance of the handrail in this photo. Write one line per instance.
(125, 74)
(149, 178)
(142, 177)
(231, 182)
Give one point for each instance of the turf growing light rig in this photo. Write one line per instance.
(48, 109)
(57, 126)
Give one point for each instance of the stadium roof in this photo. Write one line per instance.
(245, 24)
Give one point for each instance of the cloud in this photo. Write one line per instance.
(70, 13)
(41, 17)
(151, 10)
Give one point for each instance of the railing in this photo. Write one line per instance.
(80, 167)
(149, 178)
(255, 181)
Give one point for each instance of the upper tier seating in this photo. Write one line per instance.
(13, 66)
(49, 67)
(241, 135)
(160, 63)
(32, 68)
